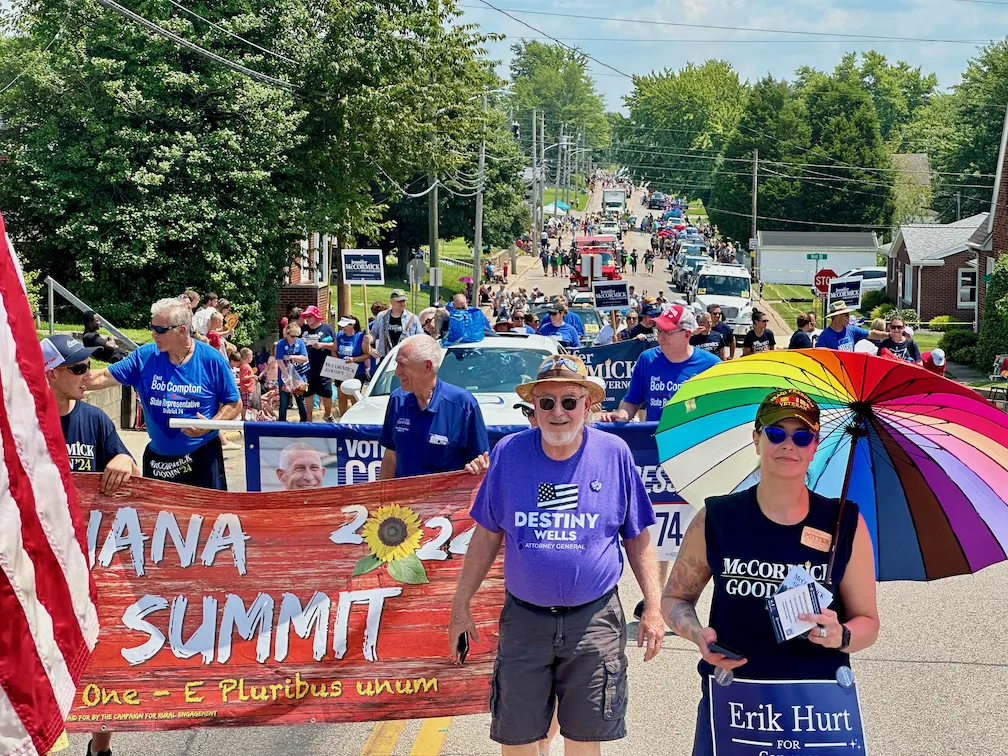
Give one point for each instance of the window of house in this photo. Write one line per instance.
(907, 283)
(967, 287)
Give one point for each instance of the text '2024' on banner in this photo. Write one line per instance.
(281, 608)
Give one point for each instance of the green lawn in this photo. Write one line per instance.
(696, 207)
(139, 335)
(454, 248)
(927, 340)
(775, 294)
(578, 201)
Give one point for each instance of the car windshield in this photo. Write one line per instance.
(692, 263)
(723, 286)
(476, 369)
(693, 249)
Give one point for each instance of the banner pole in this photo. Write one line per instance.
(364, 291)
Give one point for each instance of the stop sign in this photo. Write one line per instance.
(822, 280)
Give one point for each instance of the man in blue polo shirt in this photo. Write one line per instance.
(430, 425)
(556, 324)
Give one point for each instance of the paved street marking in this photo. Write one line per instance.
(383, 738)
(431, 737)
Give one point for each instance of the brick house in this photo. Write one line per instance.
(931, 268)
(995, 241)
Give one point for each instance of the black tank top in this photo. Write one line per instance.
(749, 556)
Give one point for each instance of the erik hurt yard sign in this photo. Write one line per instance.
(280, 608)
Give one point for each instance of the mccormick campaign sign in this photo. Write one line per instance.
(363, 266)
(611, 295)
(847, 290)
(792, 717)
(287, 608)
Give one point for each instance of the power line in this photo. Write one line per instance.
(151, 26)
(651, 22)
(505, 12)
(229, 33)
(800, 222)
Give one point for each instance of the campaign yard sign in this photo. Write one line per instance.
(793, 717)
(847, 290)
(363, 266)
(611, 295)
(297, 607)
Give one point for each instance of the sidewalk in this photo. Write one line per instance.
(782, 331)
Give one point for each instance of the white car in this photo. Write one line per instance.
(490, 369)
(874, 279)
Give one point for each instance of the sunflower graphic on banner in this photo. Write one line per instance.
(392, 533)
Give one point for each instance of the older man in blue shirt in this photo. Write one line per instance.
(430, 425)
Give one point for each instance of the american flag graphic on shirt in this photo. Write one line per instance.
(558, 496)
(47, 596)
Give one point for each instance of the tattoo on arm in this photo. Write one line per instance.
(690, 575)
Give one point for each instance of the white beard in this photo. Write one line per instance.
(560, 435)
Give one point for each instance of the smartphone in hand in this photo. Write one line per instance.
(463, 647)
(728, 653)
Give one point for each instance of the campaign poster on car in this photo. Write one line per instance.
(363, 266)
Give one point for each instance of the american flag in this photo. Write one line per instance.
(47, 595)
(558, 496)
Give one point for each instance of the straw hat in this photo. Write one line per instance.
(563, 368)
(838, 308)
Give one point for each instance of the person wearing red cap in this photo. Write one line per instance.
(320, 338)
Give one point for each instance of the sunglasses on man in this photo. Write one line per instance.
(79, 368)
(547, 403)
(162, 330)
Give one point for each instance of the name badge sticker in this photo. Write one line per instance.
(819, 540)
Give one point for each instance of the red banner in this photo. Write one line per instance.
(281, 608)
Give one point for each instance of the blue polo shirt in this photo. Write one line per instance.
(442, 437)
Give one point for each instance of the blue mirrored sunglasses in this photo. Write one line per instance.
(801, 437)
(558, 361)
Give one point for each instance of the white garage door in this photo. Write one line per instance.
(794, 267)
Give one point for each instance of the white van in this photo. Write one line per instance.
(729, 286)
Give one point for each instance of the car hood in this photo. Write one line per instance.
(497, 409)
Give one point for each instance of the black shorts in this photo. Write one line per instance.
(576, 659)
(202, 467)
(319, 385)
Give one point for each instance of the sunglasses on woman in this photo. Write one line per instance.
(801, 437)
(547, 403)
(80, 368)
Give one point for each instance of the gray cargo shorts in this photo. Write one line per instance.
(572, 658)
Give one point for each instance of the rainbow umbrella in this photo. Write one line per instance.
(924, 458)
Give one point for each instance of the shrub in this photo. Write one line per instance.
(956, 339)
(882, 311)
(944, 323)
(964, 356)
(994, 332)
(908, 315)
(873, 299)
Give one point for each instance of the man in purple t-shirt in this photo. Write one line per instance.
(562, 631)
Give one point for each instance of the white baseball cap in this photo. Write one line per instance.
(938, 357)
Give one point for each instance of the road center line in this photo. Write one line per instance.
(383, 738)
(431, 737)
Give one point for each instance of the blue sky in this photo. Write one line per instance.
(628, 46)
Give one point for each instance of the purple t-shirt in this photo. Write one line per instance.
(562, 520)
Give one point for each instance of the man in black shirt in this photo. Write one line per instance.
(717, 324)
(645, 329)
(91, 439)
(707, 339)
(108, 350)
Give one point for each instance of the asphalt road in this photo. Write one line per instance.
(935, 683)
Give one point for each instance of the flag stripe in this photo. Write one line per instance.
(38, 437)
(48, 618)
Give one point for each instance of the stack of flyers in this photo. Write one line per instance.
(799, 594)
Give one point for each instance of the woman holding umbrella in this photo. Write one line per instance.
(745, 542)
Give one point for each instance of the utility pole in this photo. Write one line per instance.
(535, 178)
(542, 175)
(958, 205)
(752, 235)
(478, 247)
(556, 179)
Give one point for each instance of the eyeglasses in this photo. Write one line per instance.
(80, 368)
(801, 438)
(528, 412)
(547, 403)
(559, 361)
(162, 330)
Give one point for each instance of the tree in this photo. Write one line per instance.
(554, 80)
(680, 122)
(994, 329)
(979, 109)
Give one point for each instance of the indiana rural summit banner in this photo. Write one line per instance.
(282, 607)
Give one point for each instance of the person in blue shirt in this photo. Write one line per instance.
(572, 318)
(430, 425)
(178, 377)
(518, 324)
(557, 326)
(292, 357)
(353, 345)
(840, 334)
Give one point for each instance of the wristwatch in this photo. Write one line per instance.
(845, 640)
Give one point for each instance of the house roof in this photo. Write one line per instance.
(822, 239)
(926, 242)
(999, 176)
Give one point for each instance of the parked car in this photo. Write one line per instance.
(686, 266)
(490, 369)
(874, 279)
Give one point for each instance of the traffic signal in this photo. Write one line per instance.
(515, 131)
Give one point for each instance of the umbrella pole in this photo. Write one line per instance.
(843, 500)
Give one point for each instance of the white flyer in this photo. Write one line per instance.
(797, 576)
(784, 608)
